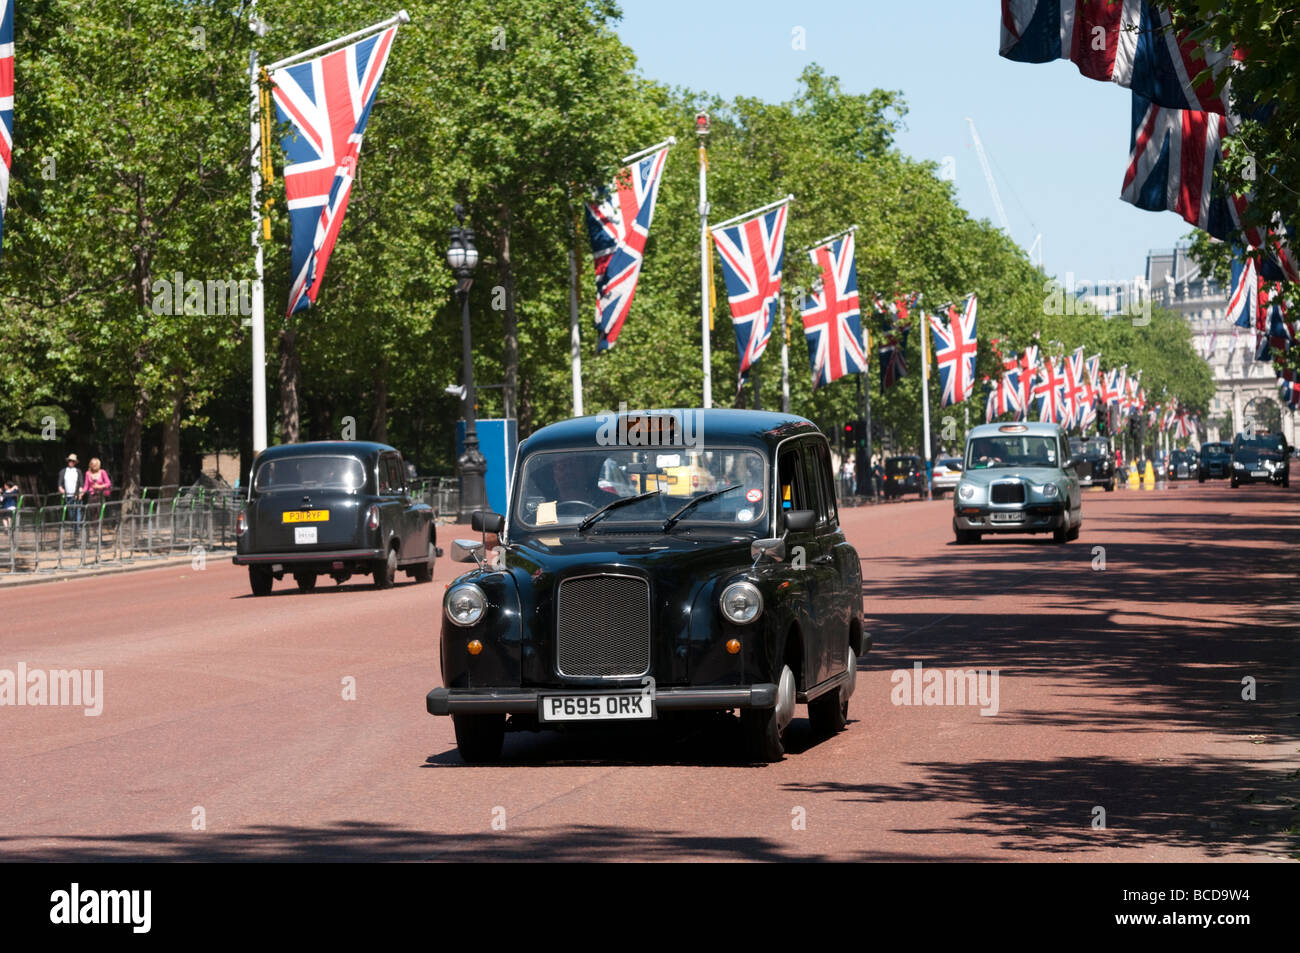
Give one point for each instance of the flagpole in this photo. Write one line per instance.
(702, 130)
(575, 338)
(670, 141)
(756, 211)
(258, 317)
(925, 394)
(866, 414)
(400, 17)
(785, 359)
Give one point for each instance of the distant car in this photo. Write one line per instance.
(1260, 458)
(1079, 449)
(1214, 462)
(947, 472)
(1180, 465)
(904, 475)
(333, 508)
(1098, 465)
(1018, 478)
(746, 597)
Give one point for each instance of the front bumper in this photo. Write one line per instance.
(1034, 518)
(445, 701)
(1247, 476)
(305, 558)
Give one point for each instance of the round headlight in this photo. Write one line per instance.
(1049, 490)
(465, 604)
(966, 491)
(741, 603)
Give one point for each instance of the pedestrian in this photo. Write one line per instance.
(8, 503)
(877, 478)
(97, 485)
(69, 483)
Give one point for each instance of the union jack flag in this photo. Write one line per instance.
(6, 103)
(1050, 391)
(1140, 48)
(327, 102)
(1088, 410)
(1172, 158)
(1243, 304)
(1290, 390)
(831, 319)
(752, 256)
(1004, 398)
(1029, 371)
(1076, 389)
(618, 225)
(895, 326)
(954, 349)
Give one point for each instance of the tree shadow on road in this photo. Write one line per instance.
(1050, 805)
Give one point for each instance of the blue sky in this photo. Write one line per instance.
(1057, 142)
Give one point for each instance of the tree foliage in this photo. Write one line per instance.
(518, 111)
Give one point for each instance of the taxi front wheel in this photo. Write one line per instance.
(479, 737)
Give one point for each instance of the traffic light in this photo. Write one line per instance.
(851, 434)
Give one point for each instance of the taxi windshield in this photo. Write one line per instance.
(310, 472)
(1011, 450)
(563, 487)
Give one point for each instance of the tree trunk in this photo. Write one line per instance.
(506, 275)
(289, 374)
(379, 423)
(171, 463)
(142, 278)
(131, 440)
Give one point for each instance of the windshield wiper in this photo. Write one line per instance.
(613, 505)
(702, 498)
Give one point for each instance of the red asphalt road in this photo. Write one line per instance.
(1119, 689)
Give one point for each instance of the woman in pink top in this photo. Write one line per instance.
(98, 485)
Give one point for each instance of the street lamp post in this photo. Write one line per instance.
(462, 256)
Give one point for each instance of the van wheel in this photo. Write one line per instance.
(479, 737)
(386, 571)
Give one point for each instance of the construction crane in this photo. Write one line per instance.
(993, 191)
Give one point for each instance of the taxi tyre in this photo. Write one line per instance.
(386, 571)
(1074, 532)
(829, 713)
(260, 580)
(479, 737)
(1110, 485)
(1061, 535)
(424, 571)
(762, 727)
(306, 581)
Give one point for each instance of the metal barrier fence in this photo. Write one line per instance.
(442, 493)
(161, 522)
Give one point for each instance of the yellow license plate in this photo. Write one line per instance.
(305, 516)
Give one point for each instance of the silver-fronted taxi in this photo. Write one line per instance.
(1018, 478)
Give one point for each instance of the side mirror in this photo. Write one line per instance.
(467, 551)
(484, 521)
(800, 520)
(773, 548)
(1075, 460)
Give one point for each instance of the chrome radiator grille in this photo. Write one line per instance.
(602, 626)
(1007, 493)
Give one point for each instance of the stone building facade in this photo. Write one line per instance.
(1244, 388)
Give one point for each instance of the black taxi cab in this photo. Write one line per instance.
(608, 603)
(336, 508)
